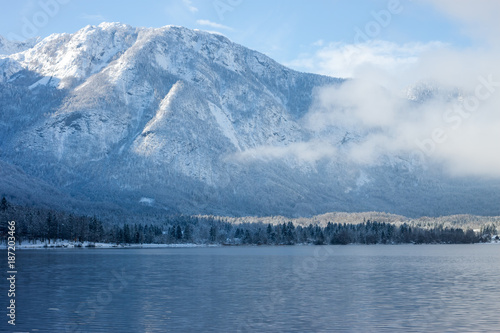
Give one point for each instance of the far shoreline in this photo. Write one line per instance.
(89, 245)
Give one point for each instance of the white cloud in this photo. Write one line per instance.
(479, 18)
(319, 42)
(346, 60)
(190, 6)
(213, 24)
(93, 17)
(454, 124)
(426, 100)
(311, 152)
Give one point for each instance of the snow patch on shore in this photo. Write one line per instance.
(70, 244)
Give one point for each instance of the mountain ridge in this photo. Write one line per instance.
(189, 122)
(8, 47)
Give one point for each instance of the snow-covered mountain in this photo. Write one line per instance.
(187, 121)
(8, 47)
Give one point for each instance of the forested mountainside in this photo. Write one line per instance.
(124, 119)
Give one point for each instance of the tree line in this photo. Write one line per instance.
(49, 226)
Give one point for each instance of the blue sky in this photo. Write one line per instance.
(287, 31)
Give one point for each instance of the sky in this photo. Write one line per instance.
(388, 46)
(291, 32)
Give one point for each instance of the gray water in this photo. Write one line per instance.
(424, 288)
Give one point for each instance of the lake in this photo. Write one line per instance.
(381, 288)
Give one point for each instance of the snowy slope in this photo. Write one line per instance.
(8, 47)
(116, 113)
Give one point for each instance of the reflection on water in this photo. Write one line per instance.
(262, 289)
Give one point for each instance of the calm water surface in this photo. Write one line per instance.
(426, 288)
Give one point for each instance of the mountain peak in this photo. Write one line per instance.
(72, 58)
(8, 47)
(114, 25)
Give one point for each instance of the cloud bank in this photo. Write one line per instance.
(213, 24)
(432, 102)
(351, 60)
